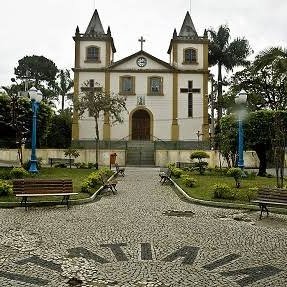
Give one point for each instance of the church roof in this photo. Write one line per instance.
(95, 25)
(141, 53)
(187, 29)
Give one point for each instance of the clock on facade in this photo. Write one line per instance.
(141, 61)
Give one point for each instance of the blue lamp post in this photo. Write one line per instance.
(240, 100)
(36, 97)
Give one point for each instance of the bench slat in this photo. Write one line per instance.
(46, 194)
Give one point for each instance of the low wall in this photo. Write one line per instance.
(162, 157)
(86, 155)
(215, 158)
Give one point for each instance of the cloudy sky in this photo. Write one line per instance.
(38, 27)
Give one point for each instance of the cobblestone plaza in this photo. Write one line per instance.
(141, 237)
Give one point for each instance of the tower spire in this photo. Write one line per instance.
(187, 29)
(95, 26)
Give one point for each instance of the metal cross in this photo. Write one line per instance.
(142, 41)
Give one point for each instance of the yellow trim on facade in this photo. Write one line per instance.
(108, 53)
(205, 56)
(175, 54)
(106, 125)
(174, 126)
(205, 125)
(75, 121)
(77, 54)
(131, 121)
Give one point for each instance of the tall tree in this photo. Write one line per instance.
(63, 86)
(16, 119)
(97, 102)
(224, 53)
(265, 81)
(39, 70)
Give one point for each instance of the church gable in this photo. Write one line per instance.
(141, 61)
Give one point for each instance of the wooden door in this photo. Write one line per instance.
(141, 125)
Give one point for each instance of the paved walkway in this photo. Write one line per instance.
(133, 239)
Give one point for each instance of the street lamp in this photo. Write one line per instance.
(36, 97)
(240, 100)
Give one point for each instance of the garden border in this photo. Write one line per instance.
(219, 204)
(13, 204)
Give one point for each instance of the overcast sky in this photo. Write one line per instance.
(38, 27)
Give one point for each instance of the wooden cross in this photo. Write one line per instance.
(142, 41)
(189, 90)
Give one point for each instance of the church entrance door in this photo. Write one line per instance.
(141, 125)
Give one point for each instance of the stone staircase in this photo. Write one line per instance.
(140, 153)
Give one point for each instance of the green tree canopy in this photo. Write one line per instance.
(265, 81)
(38, 69)
(224, 53)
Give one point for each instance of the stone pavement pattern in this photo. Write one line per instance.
(133, 239)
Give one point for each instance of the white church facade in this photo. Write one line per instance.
(165, 101)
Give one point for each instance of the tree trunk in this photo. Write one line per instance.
(219, 93)
(63, 102)
(97, 143)
(261, 153)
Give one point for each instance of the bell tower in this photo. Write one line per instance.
(94, 51)
(189, 56)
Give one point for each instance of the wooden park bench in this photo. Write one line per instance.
(109, 184)
(270, 196)
(165, 175)
(27, 188)
(120, 170)
(56, 160)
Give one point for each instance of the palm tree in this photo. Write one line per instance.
(63, 86)
(275, 56)
(226, 54)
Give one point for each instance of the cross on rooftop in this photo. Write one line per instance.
(142, 41)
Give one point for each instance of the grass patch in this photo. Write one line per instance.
(203, 188)
(77, 175)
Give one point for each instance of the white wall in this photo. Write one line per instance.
(189, 126)
(198, 47)
(162, 157)
(101, 45)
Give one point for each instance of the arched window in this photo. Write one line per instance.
(190, 56)
(93, 54)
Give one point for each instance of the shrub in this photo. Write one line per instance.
(71, 153)
(85, 186)
(237, 174)
(105, 171)
(5, 188)
(222, 191)
(83, 165)
(77, 164)
(90, 165)
(251, 174)
(199, 155)
(251, 193)
(18, 172)
(176, 172)
(5, 173)
(188, 181)
(94, 179)
(60, 165)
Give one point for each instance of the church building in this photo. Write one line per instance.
(165, 101)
